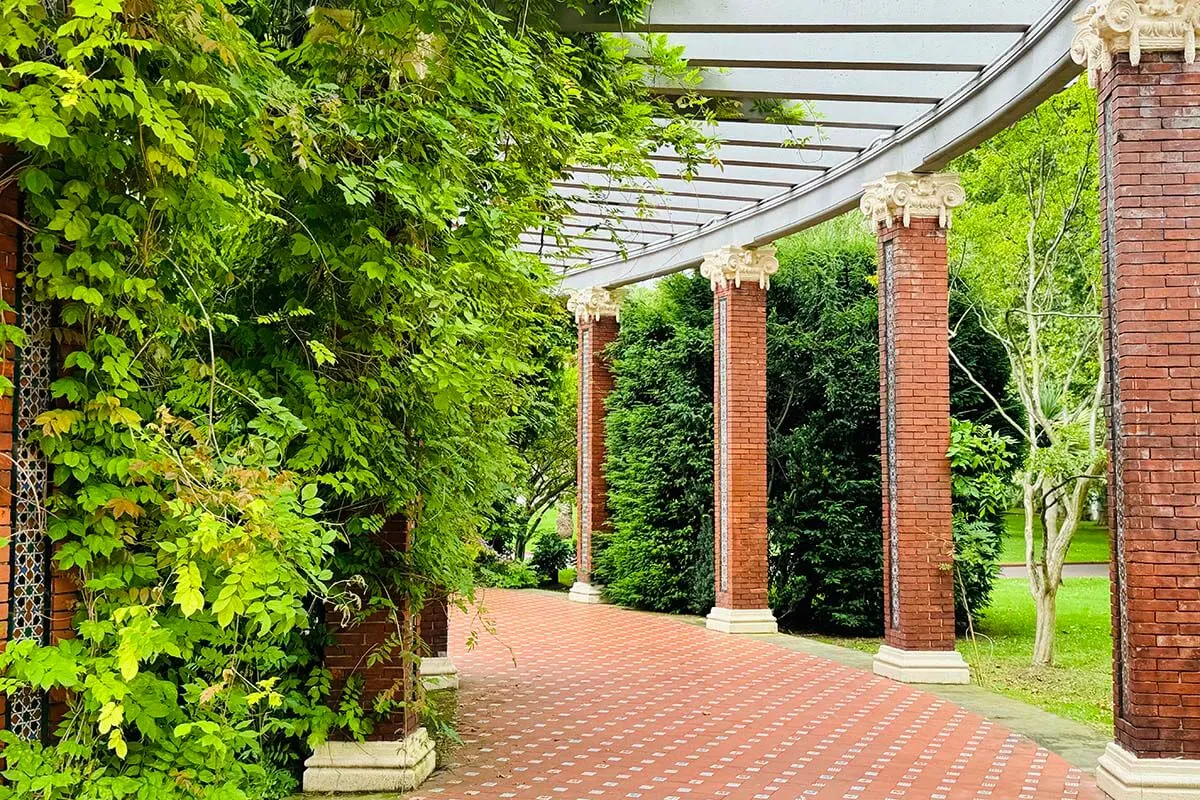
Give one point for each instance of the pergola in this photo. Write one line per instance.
(889, 85)
(895, 90)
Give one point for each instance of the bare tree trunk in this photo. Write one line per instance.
(1047, 614)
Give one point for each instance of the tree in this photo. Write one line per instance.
(1028, 247)
(544, 438)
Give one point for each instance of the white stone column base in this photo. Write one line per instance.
(438, 673)
(346, 767)
(921, 666)
(741, 620)
(585, 593)
(1123, 776)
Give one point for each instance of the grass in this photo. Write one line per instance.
(1088, 545)
(1078, 686)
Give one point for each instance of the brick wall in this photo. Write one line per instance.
(595, 382)
(434, 625)
(1150, 212)
(920, 616)
(352, 644)
(740, 411)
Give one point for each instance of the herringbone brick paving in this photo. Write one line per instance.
(574, 702)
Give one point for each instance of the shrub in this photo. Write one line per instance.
(659, 452)
(981, 463)
(826, 555)
(551, 553)
(503, 573)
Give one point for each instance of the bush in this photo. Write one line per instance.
(551, 553)
(826, 554)
(659, 452)
(503, 573)
(981, 463)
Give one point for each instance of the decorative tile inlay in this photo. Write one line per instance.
(723, 416)
(889, 372)
(585, 452)
(1116, 431)
(29, 587)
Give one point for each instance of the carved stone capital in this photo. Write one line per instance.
(737, 264)
(906, 195)
(594, 303)
(1109, 27)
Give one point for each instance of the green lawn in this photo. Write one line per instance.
(1078, 686)
(1089, 544)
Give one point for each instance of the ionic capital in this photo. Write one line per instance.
(1109, 27)
(737, 264)
(594, 303)
(906, 195)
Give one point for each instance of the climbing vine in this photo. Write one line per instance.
(281, 243)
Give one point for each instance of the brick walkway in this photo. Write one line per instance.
(597, 703)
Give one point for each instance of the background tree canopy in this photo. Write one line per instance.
(283, 243)
(823, 442)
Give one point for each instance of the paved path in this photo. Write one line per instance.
(598, 703)
(1069, 571)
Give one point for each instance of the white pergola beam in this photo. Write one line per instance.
(677, 187)
(617, 198)
(653, 226)
(873, 85)
(663, 216)
(765, 134)
(898, 51)
(769, 156)
(777, 16)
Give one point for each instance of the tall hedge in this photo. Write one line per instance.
(823, 433)
(659, 465)
(825, 558)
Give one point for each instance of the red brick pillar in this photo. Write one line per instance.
(740, 278)
(911, 213)
(1150, 218)
(437, 669)
(596, 312)
(10, 258)
(398, 754)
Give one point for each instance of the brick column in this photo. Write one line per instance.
(739, 279)
(911, 213)
(398, 754)
(10, 258)
(1150, 216)
(596, 312)
(437, 669)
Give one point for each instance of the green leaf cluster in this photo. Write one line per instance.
(283, 246)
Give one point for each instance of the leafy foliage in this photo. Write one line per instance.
(981, 466)
(551, 554)
(283, 246)
(504, 573)
(659, 452)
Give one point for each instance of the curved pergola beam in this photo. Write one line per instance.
(1034, 68)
